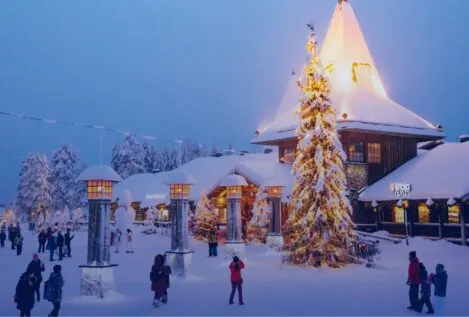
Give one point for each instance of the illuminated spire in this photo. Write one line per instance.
(345, 54)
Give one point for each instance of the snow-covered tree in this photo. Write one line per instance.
(258, 225)
(205, 218)
(34, 188)
(151, 158)
(319, 228)
(129, 158)
(65, 167)
(77, 219)
(8, 217)
(151, 216)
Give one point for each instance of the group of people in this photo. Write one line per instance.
(28, 288)
(418, 277)
(55, 241)
(116, 240)
(14, 236)
(160, 278)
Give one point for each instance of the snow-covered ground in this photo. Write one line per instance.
(269, 287)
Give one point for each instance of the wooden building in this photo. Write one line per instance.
(377, 134)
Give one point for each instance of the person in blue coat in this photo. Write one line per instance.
(55, 283)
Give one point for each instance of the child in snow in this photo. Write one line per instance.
(236, 280)
(440, 280)
(166, 275)
(130, 248)
(425, 291)
(158, 282)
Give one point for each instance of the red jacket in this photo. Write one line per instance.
(414, 271)
(236, 274)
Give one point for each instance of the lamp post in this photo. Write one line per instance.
(404, 205)
(275, 237)
(234, 245)
(179, 257)
(97, 274)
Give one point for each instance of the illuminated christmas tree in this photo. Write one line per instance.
(258, 225)
(319, 230)
(205, 218)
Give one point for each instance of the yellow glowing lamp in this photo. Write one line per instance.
(234, 186)
(99, 180)
(179, 185)
(275, 191)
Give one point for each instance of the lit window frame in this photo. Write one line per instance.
(354, 155)
(454, 214)
(423, 212)
(374, 155)
(179, 191)
(398, 214)
(99, 189)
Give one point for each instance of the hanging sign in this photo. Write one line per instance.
(401, 189)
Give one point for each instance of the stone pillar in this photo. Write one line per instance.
(275, 237)
(179, 257)
(463, 223)
(235, 245)
(97, 275)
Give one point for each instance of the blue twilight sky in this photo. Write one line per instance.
(207, 69)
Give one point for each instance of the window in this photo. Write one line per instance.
(398, 214)
(355, 152)
(289, 156)
(374, 153)
(221, 214)
(453, 213)
(424, 213)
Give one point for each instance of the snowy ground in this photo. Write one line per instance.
(269, 288)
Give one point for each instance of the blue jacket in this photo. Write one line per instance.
(440, 280)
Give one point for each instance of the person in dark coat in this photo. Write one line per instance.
(157, 279)
(51, 245)
(236, 280)
(60, 245)
(3, 237)
(41, 239)
(166, 275)
(413, 280)
(440, 280)
(425, 291)
(12, 236)
(37, 267)
(212, 244)
(56, 282)
(19, 244)
(24, 294)
(68, 241)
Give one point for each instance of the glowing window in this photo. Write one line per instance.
(374, 153)
(289, 156)
(398, 214)
(453, 213)
(355, 152)
(424, 213)
(179, 191)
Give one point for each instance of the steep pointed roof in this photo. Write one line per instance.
(358, 93)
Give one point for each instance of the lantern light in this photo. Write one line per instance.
(179, 185)
(99, 180)
(234, 184)
(275, 191)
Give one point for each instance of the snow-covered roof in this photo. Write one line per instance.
(149, 189)
(233, 180)
(357, 89)
(441, 173)
(99, 172)
(179, 177)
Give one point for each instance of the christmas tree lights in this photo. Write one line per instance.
(258, 225)
(319, 230)
(205, 218)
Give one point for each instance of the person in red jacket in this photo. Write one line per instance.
(413, 281)
(236, 280)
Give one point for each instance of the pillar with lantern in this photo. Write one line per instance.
(274, 237)
(97, 274)
(179, 257)
(234, 245)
